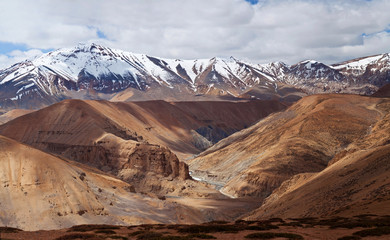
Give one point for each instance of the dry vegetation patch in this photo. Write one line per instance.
(342, 228)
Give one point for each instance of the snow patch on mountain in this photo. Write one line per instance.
(63, 73)
(360, 64)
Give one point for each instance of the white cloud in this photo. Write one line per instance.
(287, 30)
(18, 56)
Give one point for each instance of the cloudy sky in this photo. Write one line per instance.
(258, 31)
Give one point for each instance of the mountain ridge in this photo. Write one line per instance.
(96, 72)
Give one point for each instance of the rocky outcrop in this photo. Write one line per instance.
(40, 191)
(134, 163)
(158, 160)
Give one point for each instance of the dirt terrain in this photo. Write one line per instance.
(326, 156)
(41, 191)
(137, 141)
(355, 182)
(301, 139)
(368, 227)
(184, 127)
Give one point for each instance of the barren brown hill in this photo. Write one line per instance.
(130, 140)
(12, 114)
(41, 191)
(355, 182)
(383, 91)
(77, 130)
(221, 119)
(174, 125)
(304, 138)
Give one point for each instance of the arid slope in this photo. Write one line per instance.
(12, 114)
(304, 138)
(79, 131)
(355, 182)
(41, 191)
(383, 91)
(131, 140)
(174, 125)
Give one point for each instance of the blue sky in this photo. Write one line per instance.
(252, 1)
(6, 47)
(251, 30)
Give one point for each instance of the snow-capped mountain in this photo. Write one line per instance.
(96, 72)
(373, 70)
(78, 71)
(360, 76)
(360, 65)
(314, 77)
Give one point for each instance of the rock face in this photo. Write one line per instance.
(304, 138)
(40, 191)
(158, 160)
(97, 72)
(77, 131)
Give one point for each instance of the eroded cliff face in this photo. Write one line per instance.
(140, 164)
(159, 160)
(41, 191)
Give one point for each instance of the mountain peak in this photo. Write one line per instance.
(311, 61)
(90, 66)
(66, 72)
(88, 46)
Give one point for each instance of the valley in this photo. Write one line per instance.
(181, 142)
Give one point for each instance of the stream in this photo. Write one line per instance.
(218, 186)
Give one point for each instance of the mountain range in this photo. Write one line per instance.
(93, 135)
(91, 71)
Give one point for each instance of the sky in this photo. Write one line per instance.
(257, 31)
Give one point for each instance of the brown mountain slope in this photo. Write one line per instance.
(129, 140)
(304, 138)
(174, 125)
(41, 191)
(356, 182)
(221, 119)
(383, 91)
(12, 114)
(81, 132)
(285, 93)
